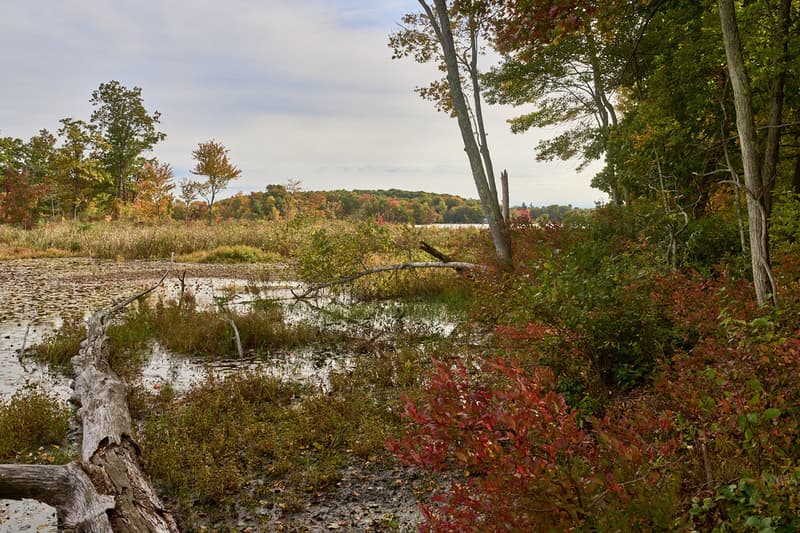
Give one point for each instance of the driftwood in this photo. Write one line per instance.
(236, 336)
(107, 490)
(456, 265)
(66, 487)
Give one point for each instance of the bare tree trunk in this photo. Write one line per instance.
(506, 200)
(479, 123)
(756, 208)
(65, 487)
(796, 175)
(488, 200)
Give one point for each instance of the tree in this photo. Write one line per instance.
(212, 162)
(18, 192)
(127, 131)
(561, 58)
(19, 198)
(80, 177)
(430, 36)
(154, 186)
(757, 191)
(12, 154)
(40, 153)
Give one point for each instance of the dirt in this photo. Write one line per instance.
(36, 293)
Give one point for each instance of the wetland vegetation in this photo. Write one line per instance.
(632, 367)
(591, 362)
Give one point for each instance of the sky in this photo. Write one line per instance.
(301, 90)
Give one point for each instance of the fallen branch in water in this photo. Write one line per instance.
(65, 487)
(237, 337)
(455, 265)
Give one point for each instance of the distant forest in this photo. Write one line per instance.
(97, 169)
(392, 205)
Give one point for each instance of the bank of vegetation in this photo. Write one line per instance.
(605, 381)
(639, 362)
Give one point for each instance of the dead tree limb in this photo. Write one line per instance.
(119, 493)
(430, 250)
(456, 265)
(237, 338)
(65, 487)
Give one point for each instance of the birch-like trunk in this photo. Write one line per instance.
(745, 124)
(491, 207)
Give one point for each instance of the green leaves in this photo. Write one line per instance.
(127, 131)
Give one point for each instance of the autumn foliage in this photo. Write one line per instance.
(536, 437)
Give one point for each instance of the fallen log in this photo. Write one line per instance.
(119, 496)
(65, 487)
(456, 265)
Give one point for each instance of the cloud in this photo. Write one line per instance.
(302, 90)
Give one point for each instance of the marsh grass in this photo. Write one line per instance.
(33, 428)
(319, 249)
(247, 440)
(124, 240)
(58, 348)
(190, 331)
(232, 254)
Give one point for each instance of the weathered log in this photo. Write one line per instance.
(456, 265)
(108, 453)
(107, 491)
(65, 487)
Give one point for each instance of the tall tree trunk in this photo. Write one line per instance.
(773, 143)
(477, 105)
(796, 175)
(506, 199)
(491, 207)
(756, 209)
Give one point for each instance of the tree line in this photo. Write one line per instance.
(692, 106)
(100, 167)
(284, 202)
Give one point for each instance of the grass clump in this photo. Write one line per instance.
(232, 255)
(58, 348)
(232, 442)
(33, 426)
(190, 331)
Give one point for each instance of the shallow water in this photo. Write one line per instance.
(34, 296)
(36, 293)
(306, 366)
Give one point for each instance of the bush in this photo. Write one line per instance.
(30, 421)
(593, 301)
(58, 348)
(519, 461)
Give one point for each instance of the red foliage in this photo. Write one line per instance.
(20, 197)
(519, 458)
(524, 22)
(722, 405)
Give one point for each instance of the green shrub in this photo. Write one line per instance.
(30, 421)
(58, 348)
(768, 503)
(588, 306)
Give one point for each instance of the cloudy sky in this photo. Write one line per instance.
(296, 90)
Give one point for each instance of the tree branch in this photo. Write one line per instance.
(456, 265)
